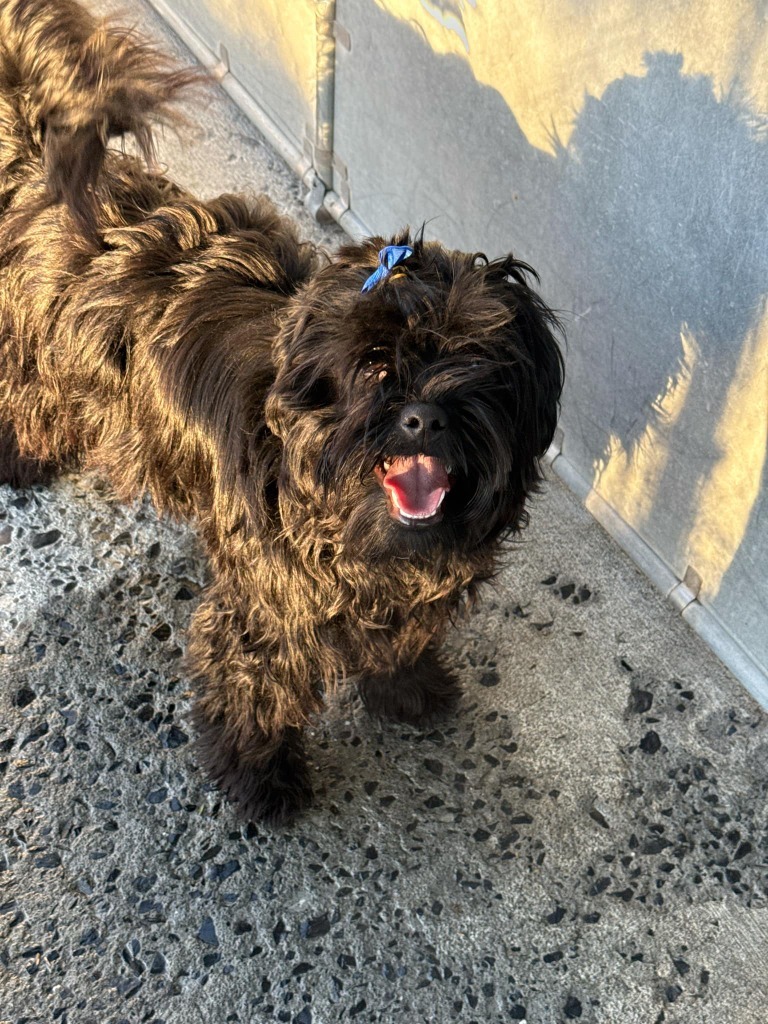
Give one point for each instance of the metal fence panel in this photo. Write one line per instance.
(270, 48)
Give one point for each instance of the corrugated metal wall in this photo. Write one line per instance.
(621, 148)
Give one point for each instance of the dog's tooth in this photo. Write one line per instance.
(386, 464)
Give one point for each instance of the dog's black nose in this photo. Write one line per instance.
(419, 420)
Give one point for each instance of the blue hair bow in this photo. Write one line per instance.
(390, 256)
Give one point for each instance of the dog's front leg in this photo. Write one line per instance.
(414, 693)
(248, 721)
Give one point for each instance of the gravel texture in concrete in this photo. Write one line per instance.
(585, 840)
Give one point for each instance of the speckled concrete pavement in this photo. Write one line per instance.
(585, 841)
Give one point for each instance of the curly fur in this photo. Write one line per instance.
(201, 352)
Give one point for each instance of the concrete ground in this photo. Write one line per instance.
(586, 840)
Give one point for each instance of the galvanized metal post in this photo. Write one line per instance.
(325, 14)
(325, 72)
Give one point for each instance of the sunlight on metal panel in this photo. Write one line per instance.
(723, 498)
(630, 480)
(731, 488)
(544, 58)
(271, 50)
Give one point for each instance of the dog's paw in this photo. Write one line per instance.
(412, 708)
(266, 787)
(415, 695)
(273, 798)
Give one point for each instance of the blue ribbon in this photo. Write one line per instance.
(390, 256)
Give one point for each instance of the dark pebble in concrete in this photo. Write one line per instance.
(24, 696)
(650, 743)
(316, 927)
(572, 1008)
(640, 701)
(207, 932)
(43, 540)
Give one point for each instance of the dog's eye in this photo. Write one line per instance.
(374, 366)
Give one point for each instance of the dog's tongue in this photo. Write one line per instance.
(417, 485)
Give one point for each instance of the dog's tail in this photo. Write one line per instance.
(77, 82)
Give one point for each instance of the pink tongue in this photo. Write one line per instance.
(417, 485)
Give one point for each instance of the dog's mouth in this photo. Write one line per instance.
(415, 486)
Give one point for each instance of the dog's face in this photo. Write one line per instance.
(413, 415)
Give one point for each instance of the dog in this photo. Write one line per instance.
(354, 436)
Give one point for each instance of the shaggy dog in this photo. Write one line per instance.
(353, 436)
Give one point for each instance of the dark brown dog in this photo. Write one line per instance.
(353, 458)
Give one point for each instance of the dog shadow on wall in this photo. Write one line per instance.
(649, 227)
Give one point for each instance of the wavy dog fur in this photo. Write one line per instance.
(201, 352)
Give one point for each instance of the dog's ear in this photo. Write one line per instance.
(534, 330)
(302, 384)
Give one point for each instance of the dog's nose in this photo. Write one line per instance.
(419, 420)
